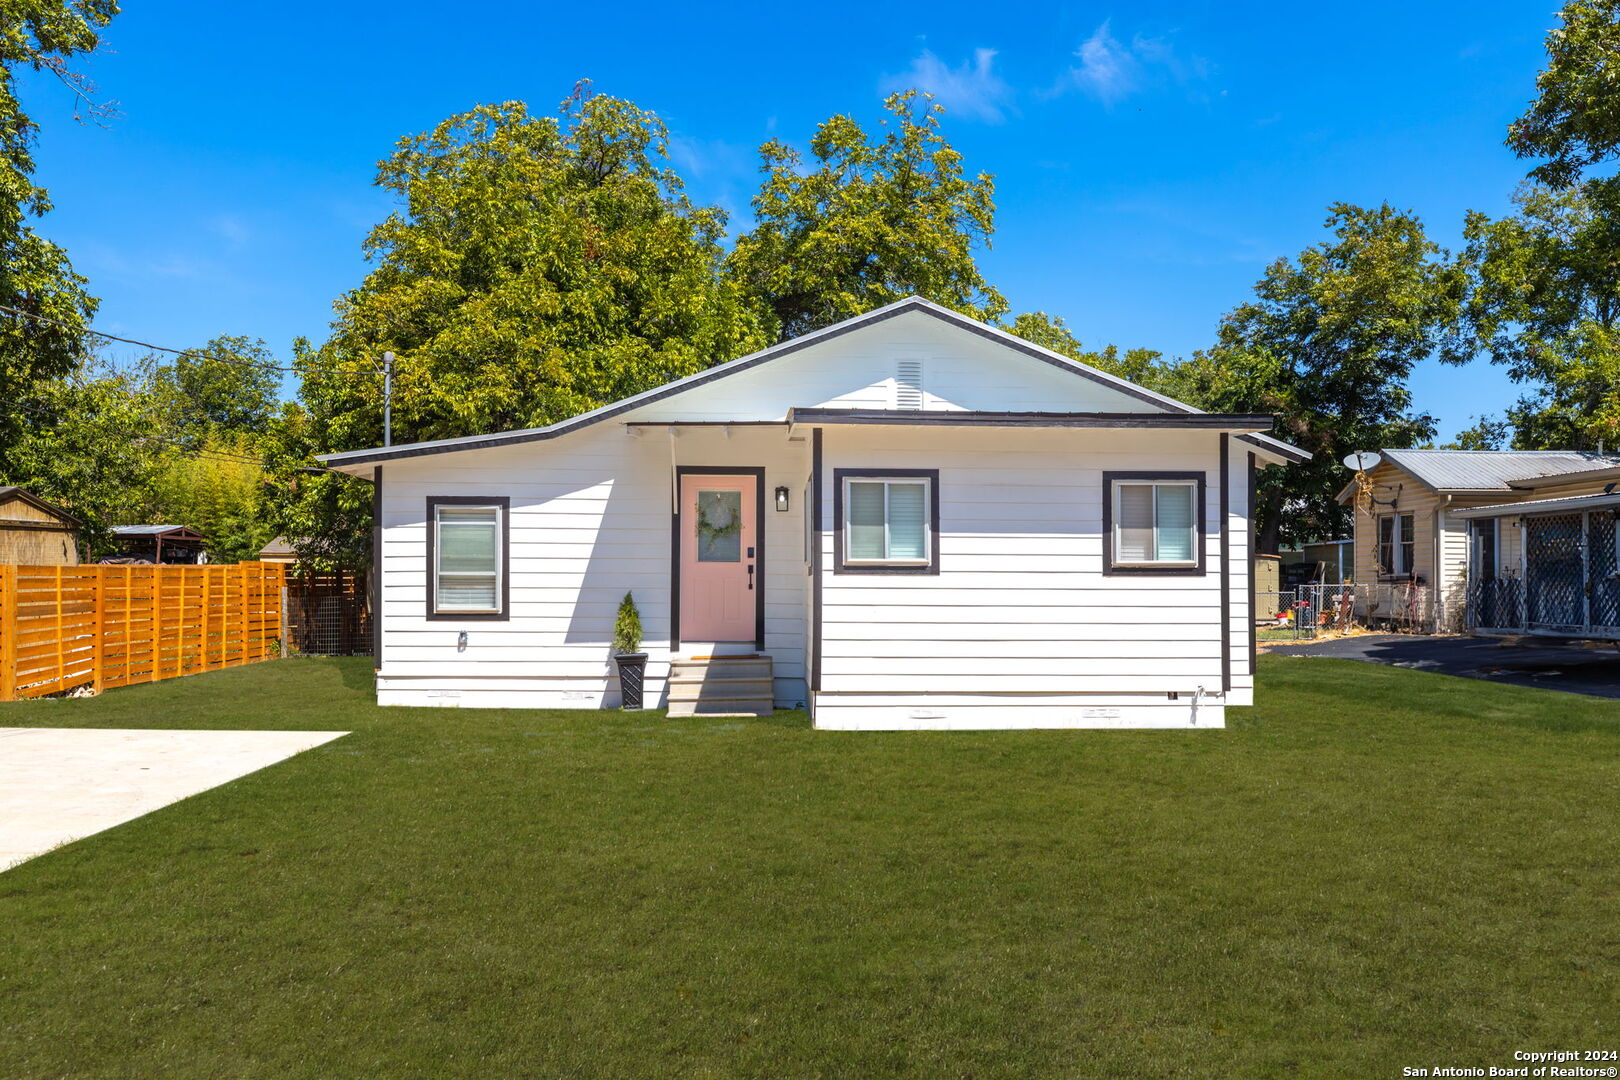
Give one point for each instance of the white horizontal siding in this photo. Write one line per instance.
(590, 520)
(1021, 604)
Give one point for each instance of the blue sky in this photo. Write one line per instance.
(1149, 159)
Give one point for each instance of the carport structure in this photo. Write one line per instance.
(1549, 566)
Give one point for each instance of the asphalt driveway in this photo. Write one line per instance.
(1548, 664)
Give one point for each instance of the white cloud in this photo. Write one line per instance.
(1110, 70)
(973, 90)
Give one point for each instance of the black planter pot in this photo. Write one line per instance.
(632, 668)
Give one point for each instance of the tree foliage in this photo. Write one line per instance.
(218, 489)
(1328, 344)
(1544, 302)
(867, 223)
(1145, 367)
(227, 388)
(539, 267)
(1574, 120)
(35, 275)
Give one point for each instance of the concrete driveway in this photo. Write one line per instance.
(1549, 664)
(62, 784)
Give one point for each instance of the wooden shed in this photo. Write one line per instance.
(35, 533)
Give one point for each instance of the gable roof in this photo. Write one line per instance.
(12, 491)
(916, 304)
(1493, 470)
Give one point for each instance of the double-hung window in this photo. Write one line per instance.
(887, 521)
(1397, 535)
(1153, 522)
(469, 560)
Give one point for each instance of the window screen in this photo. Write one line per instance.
(886, 521)
(1155, 523)
(467, 556)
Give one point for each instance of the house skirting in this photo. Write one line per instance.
(995, 712)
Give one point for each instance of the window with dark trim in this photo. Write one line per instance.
(1153, 523)
(468, 557)
(886, 521)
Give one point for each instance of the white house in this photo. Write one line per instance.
(906, 520)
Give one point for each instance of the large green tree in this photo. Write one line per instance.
(1328, 344)
(1145, 367)
(89, 442)
(866, 222)
(538, 267)
(1544, 295)
(1574, 120)
(36, 278)
(1544, 302)
(227, 389)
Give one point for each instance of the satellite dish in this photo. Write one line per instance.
(1362, 461)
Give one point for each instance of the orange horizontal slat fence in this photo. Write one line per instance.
(63, 627)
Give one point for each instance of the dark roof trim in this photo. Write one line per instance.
(12, 491)
(786, 348)
(704, 423)
(1273, 445)
(964, 418)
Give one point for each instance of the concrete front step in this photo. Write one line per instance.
(723, 707)
(721, 686)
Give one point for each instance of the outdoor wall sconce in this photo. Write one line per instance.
(461, 641)
(781, 499)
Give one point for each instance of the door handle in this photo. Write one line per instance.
(750, 577)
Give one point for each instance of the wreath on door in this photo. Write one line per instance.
(716, 520)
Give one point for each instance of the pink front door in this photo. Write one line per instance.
(718, 568)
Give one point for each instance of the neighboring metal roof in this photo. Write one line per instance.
(1595, 501)
(351, 458)
(1492, 470)
(152, 530)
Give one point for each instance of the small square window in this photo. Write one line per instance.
(886, 521)
(1153, 522)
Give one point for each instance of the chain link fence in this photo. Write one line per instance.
(1308, 611)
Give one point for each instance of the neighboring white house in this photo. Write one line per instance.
(910, 519)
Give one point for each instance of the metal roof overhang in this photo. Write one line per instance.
(1541, 506)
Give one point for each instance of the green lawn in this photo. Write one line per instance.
(1375, 868)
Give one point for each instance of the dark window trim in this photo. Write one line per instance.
(374, 586)
(504, 504)
(760, 566)
(1254, 635)
(815, 564)
(929, 568)
(1225, 505)
(1199, 532)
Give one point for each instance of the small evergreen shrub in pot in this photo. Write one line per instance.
(626, 645)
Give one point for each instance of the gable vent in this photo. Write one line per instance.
(908, 384)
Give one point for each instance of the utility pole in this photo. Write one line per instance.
(388, 399)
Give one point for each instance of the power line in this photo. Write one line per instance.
(190, 451)
(181, 352)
